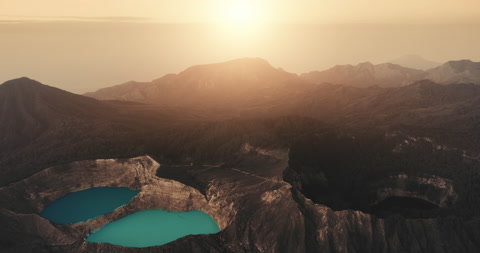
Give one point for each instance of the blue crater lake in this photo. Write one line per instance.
(87, 204)
(154, 227)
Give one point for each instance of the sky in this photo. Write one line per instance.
(82, 46)
(282, 11)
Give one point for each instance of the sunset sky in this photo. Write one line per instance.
(283, 11)
(84, 45)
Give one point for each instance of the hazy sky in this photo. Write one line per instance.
(284, 11)
(97, 43)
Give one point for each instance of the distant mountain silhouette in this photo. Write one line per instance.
(252, 87)
(392, 75)
(415, 62)
(463, 71)
(234, 84)
(365, 75)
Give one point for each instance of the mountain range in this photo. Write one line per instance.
(366, 74)
(393, 75)
(245, 88)
(238, 89)
(252, 81)
(251, 87)
(239, 83)
(252, 141)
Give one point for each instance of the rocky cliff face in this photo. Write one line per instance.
(355, 231)
(138, 173)
(256, 210)
(436, 190)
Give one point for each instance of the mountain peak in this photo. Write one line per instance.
(367, 63)
(239, 73)
(460, 61)
(22, 81)
(230, 83)
(247, 60)
(460, 64)
(28, 107)
(461, 71)
(242, 63)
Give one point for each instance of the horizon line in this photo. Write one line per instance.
(153, 20)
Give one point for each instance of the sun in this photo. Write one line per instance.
(241, 20)
(240, 12)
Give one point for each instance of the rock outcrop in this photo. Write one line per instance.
(31, 195)
(436, 190)
(355, 231)
(256, 210)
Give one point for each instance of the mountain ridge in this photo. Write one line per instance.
(233, 84)
(29, 107)
(393, 75)
(366, 74)
(462, 71)
(415, 62)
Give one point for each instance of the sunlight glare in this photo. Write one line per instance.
(241, 24)
(241, 12)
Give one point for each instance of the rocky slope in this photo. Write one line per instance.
(29, 108)
(256, 210)
(354, 231)
(436, 190)
(243, 83)
(50, 184)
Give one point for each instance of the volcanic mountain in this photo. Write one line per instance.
(238, 84)
(43, 124)
(29, 108)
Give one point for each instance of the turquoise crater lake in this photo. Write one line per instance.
(154, 227)
(87, 204)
